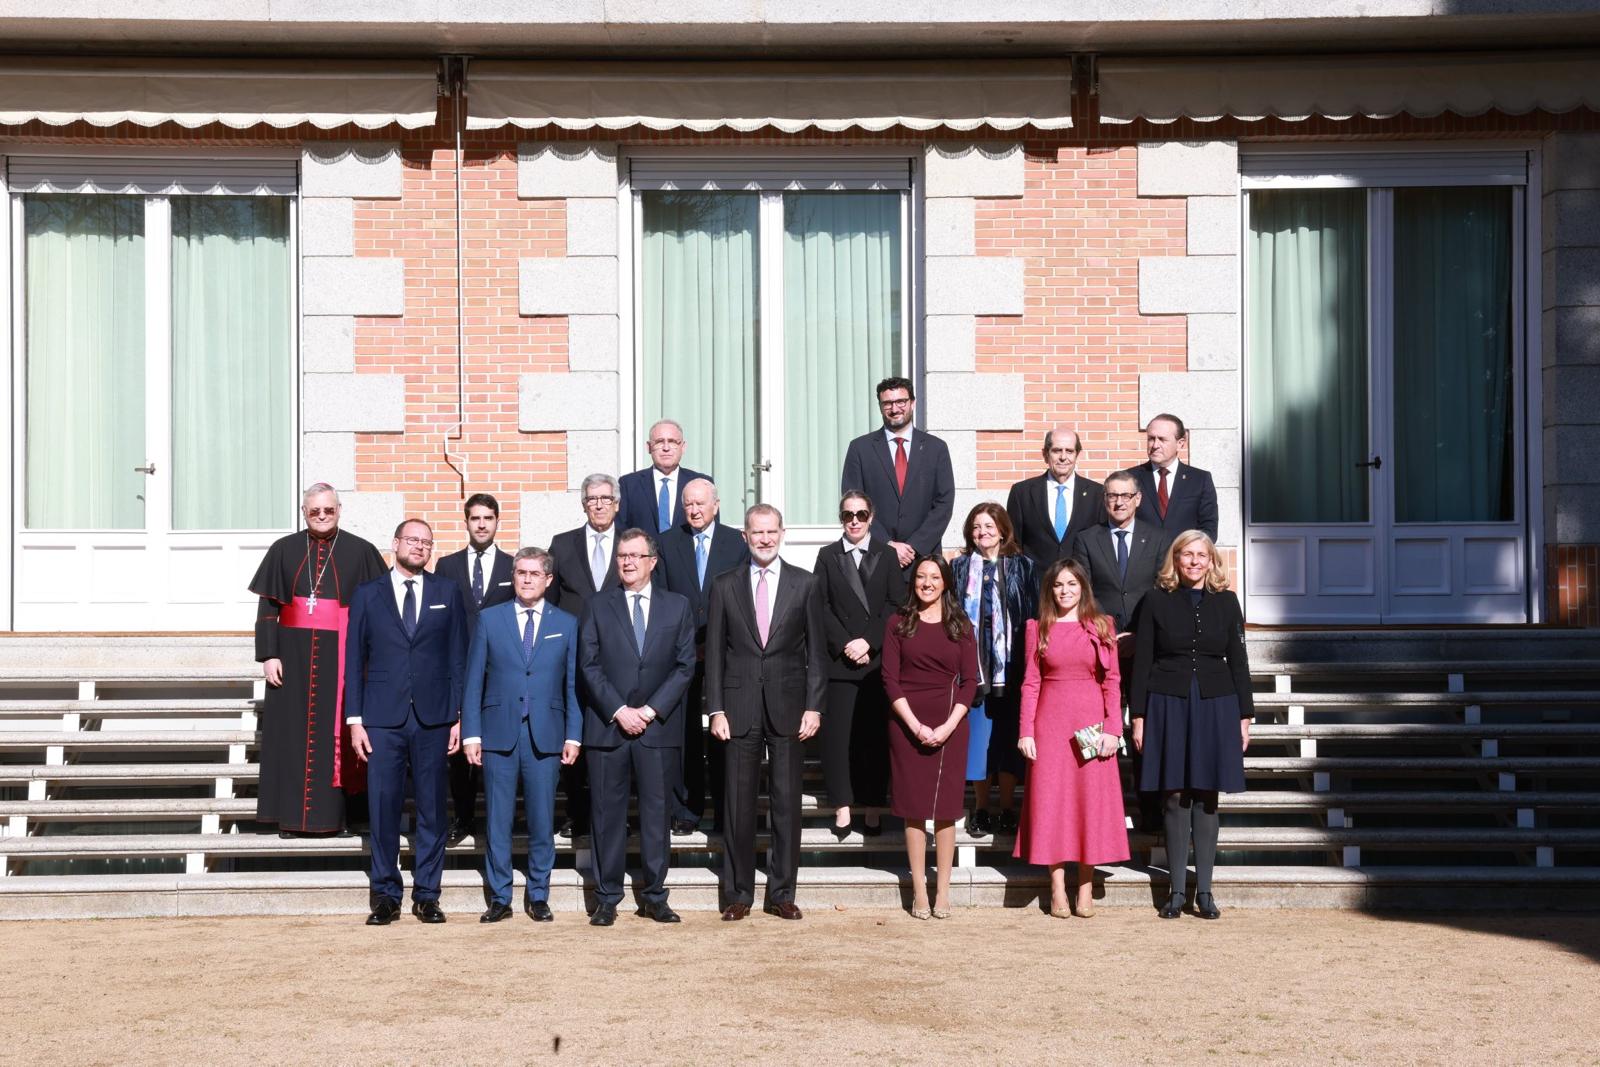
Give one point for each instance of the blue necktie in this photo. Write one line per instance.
(528, 627)
(700, 560)
(1122, 553)
(477, 579)
(663, 508)
(638, 621)
(408, 611)
(1061, 511)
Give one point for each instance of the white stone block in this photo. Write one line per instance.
(1188, 168)
(952, 342)
(582, 285)
(543, 515)
(976, 285)
(355, 403)
(327, 226)
(567, 401)
(1218, 451)
(974, 401)
(1182, 285)
(368, 170)
(592, 226)
(327, 344)
(352, 285)
(987, 170)
(1230, 517)
(328, 457)
(951, 222)
(1213, 225)
(1213, 342)
(1206, 400)
(589, 451)
(553, 170)
(373, 516)
(963, 445)
(592, 342)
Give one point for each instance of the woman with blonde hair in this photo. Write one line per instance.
(1071, 726)
(1191, 707)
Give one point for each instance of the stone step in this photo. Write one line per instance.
(1397, 765)
(1404, 698)
(134, 808)
(13, 741)
(1420, 731)
(127, 773)
(1276, 800)
(127, 709)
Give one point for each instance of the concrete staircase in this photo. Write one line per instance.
(1435, 769)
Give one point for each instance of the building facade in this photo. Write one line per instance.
(429, 258)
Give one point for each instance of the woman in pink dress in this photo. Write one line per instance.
(1073, 809)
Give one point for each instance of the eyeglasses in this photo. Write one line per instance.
(905, 402)
(417, 542)
(317, 513)
(634, 557)
(1120, 498)
(858, 516)
(596, 501)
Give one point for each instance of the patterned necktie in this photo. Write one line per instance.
(477, 579)
(763, 611)
(1161, 494)
(900, 463)
(408, 611)
(663, 507)
(638, 622)
(597, 561)
(700, 553)
(1061, 511)
(530, 625)
(1122, 553)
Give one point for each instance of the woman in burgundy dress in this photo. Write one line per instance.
(1073, 809)
(930, 674)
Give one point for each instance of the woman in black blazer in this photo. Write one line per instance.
(859, 582)
(1191, 707)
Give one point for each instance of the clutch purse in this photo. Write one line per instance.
(1088, 740)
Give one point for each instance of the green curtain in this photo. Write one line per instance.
(85, 323)
(1452, 355)
(232, 364)
(1306, 356)
(701, 330)
(841, 334)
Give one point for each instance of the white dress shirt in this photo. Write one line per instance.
(523, 613)
(658, 478)
(1050, 495)
(589, 534)
(863, 546)
(772, 583)
(889, 436)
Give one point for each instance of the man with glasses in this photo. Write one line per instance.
(907, 474)
(404, 681)
(305, 583)
(636, 653)
(1049, 509)
(652, 498)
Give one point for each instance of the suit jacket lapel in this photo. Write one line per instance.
(880, 448)
(747, 603)
(780, 603)
(1079, 506)
(852, 576)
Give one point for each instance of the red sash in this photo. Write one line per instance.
(329, 614)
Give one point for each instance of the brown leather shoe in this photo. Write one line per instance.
(783, 910)
(734, 912)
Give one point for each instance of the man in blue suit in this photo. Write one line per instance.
(636, 651)
(652, 498)
(405, 667)
(520, 721)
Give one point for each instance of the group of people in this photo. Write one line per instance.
(593, 664)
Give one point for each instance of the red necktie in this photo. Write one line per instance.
(1161, 492)
(900, 464)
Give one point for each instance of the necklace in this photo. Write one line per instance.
(316, 583)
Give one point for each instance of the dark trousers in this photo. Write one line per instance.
(743, 778)
(395, 750)
(464, 782)
(1150, 815)
(575, 784)
(612, 775)
(855, 743)
(692, 776)
(535, 771)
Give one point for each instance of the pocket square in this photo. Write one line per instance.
(551, 637)
(437, 607)
(502, 583)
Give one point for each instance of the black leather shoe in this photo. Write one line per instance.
(684, 827)
(979, 825)
(660, 912)
(457, 833)
(496, 913)
(384, 912)
(428, 911)
(1173, 907)
(1007, 823)
(871, 829)
(1205, 907)
(840, 833)
(604, 915)
(539, 911)
(784, 909)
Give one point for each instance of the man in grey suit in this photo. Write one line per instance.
(905, 472)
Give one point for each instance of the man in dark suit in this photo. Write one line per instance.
(484, 574)
(1177, 497)
(405, 669)
(692, 556)
(636, 651)
(766, 683)
(652, 498)
(520, 720)
(1123, 555)
(1049, 509)
(907, 474)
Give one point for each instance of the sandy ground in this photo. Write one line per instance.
(988, 986)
